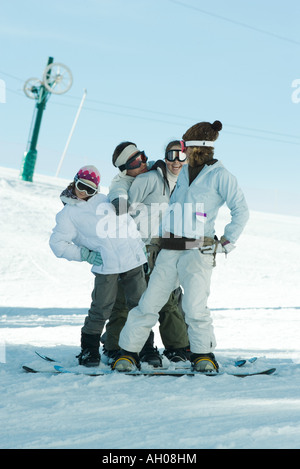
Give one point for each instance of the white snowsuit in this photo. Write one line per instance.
(149, 197)
(190, 268)
(94, 224)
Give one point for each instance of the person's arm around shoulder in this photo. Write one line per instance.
(142, 186)
(118, 193)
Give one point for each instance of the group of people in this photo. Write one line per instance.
(152, 246)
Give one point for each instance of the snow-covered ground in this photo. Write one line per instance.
(43, 301)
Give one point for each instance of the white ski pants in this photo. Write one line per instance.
(192, 270)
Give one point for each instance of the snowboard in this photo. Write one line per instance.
(154, 372)
(179, 365)
(178, 371)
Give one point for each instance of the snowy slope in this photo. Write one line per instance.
(43, 301)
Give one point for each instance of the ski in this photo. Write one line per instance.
(156, 372)
(44, 357)
(28, 369)
(102, 372)
(240, 363)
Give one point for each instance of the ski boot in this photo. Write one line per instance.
(149, 354)
(109, 356)
(177, 354)
(204, 362)
(89, 355)
(126, 361)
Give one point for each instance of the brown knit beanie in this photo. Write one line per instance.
(203, 131)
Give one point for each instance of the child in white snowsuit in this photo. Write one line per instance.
(87, 229)
(188, 250)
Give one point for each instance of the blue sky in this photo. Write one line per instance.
(153, 68)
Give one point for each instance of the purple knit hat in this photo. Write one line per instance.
(89, 175)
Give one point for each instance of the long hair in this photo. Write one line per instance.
(202, 131)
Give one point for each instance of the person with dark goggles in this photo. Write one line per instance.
(82, 187)
(131, 162)
(173, 155)
(86, 231)
(151, 185)
(134, 162)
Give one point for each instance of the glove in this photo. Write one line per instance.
(121, 205)
(226, 245)
(92, 257)
(223, 246)
(152, 253)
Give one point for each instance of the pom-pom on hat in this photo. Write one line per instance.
(89, 175)
(203, 132)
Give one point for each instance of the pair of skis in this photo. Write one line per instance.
(57, 368)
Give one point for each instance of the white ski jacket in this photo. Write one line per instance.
(149, 197)
(94, 224)
(193, 208)
(121, 183)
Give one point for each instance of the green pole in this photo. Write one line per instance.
(29, 158)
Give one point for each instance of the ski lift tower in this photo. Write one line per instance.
(57, 79)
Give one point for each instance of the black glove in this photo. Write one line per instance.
(121, 205)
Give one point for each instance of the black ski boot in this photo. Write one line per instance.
(177, 354)
(204, 362)
(89, 355)
(149, 354)
(109, 356)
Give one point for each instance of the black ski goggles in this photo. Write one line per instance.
(135, 161)
(82, 187)
(173, 155)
